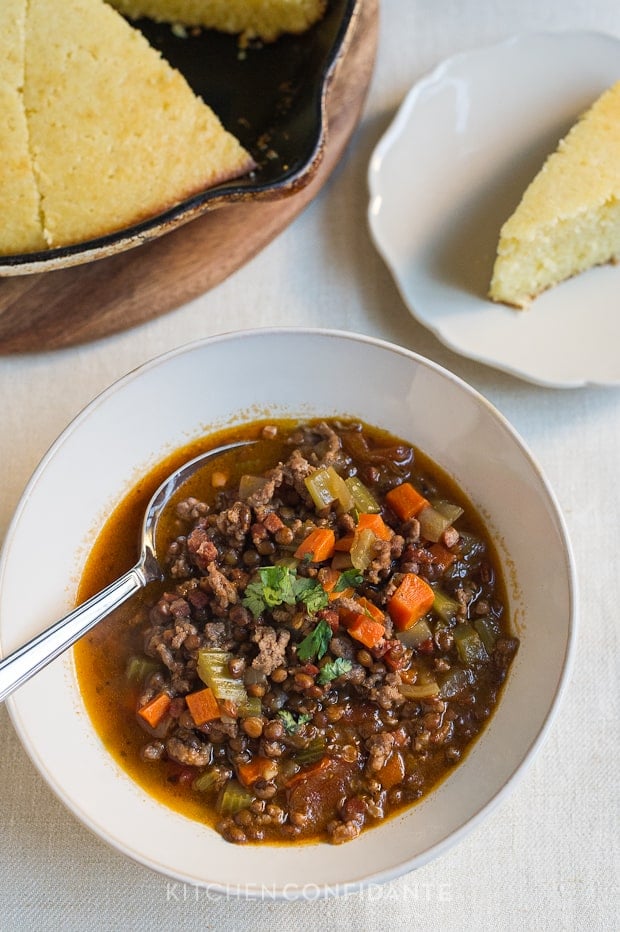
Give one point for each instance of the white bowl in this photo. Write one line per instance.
(225, 380)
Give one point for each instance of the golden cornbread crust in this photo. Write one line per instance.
(116, 134)
(262, 19)
(103, 133)
(568, 219)
(21, 229)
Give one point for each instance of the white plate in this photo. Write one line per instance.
(452, 167)
(225, 380)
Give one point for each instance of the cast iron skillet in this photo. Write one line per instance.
(272, 97)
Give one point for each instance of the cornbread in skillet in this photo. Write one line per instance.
(116, 134)
(20, 230)
(569, 217)
(263, 19)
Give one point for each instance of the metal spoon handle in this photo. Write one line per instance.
(27, 660)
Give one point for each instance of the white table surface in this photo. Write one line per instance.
(548, 857)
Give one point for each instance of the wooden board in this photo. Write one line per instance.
(75, 305)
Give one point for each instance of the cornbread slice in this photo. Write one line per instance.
(263, 19)
(20, 229)
(116, 134)
(569, 217)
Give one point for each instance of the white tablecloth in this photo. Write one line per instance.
(548, 857)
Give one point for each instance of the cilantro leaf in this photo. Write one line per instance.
(277, 585)
(316, 643)
(274, 586)
(347, 579)
(291, 724)
(280, 585)
(333, 670)
(311, 593)
(253, 598)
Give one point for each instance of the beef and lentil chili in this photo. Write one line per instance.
(331, 636)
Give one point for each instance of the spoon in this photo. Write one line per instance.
(23, 663)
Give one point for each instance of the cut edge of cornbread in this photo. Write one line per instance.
(100, 132)
(252, 19)
(568, 219)
(118, 136)
(21, 228)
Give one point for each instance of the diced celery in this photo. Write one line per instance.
(319, 486)
(314, 751)
(432, 523)
(233, 797)
(445, 606)
(250, 485)
(488, 632)
(468, 644)
(341, 490)
(453, 682)
(213, 670)
(362, 548)
(363, 499)
(419, 690)
(326, 487)
(208, 781)
(448, 509)
(138, 668)
(416, 635)
(250, 707)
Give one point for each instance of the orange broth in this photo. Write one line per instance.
(101, 657)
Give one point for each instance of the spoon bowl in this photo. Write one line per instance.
(22, 664)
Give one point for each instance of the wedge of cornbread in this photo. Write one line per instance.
(262, 19)
(569, 217)
(21, 229)
(116, 134)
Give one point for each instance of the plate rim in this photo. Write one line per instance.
(390, 137)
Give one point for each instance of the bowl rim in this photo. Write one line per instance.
(292, 891)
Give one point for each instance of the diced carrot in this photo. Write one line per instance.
(318, 545)
(203, 706)
(347, 593)
(410, 602)
(259, 768)
(344, 543)
(376, 524)
(366, 625)
(312, 771)
(393, 771)
(405, 501)
(442, 557)
(328, 578)
(366, 609)
(155, 709)
(371, 609)
(366, 631)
